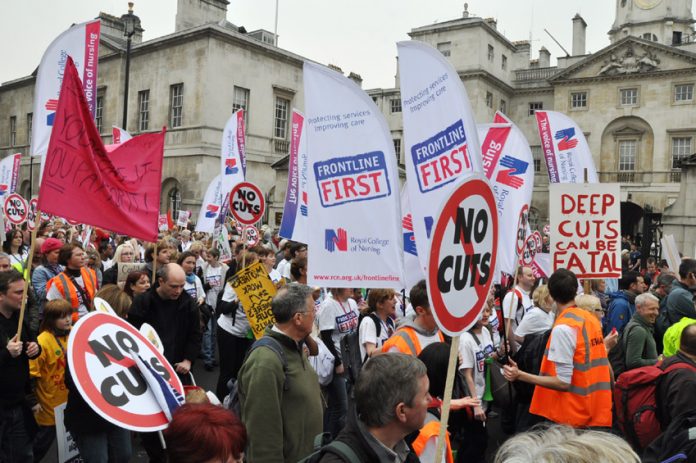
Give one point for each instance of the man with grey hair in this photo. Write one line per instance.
(278, 389)
(391, 402)
(639, 341)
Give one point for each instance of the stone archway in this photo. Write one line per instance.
(171, 197)
(627, 150)
(631, 215)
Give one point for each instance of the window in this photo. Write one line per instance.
(535, 106)
(489, 99)
(681, 148)
(280, 126)
(395, 105)
(374, 99)
(143, 110)
(649, 36)
(491, 53)
(627, 155)
(684, 92)
(176, 105)
(174, 198)
(503, 106)
(397, 148)
(30, 126)
(99, 113)
(13, 130)
(629, 96)
(503, 65)
(578, 100)
(537, 156)
(444, 48)
(241, 101)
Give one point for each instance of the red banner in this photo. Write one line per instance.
(119, 192)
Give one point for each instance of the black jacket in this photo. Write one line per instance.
(676, 391)
(176, 322)
(110, 276)
(15, 384)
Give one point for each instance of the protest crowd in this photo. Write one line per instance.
(350, 374)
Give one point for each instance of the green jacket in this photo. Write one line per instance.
(640, 343)
(281, 425)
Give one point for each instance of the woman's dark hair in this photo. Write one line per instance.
(66, 252)
(436, 357)
(184, 255)
(6, 246)
(132, 279)
(54, 310)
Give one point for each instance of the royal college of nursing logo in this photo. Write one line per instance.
(3, 189)
(409, 237)
(566, 139)
(51, 105)
(303, 204)
(231, 166)
(512, 172)
(211, 211)
(336, 240)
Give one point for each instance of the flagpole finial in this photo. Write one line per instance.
(130, 7)
(466, 10)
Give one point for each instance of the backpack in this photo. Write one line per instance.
(528, 358)
(338, 448)
(350, 348)
(231, 401)
(676, 444)
(635, 403)
(617, 354)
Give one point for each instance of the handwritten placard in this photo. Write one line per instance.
(255, 291)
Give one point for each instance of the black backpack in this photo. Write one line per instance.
(676, 443)
(528, 359)
(232, 402)
(617, 354)
(338, 448)
(350, 348)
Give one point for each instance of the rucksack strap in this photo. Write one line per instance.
(678, 366)
(274, 345)
(342, 450)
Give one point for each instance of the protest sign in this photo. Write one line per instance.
(232, 155)
(162, 222)
(250, 235)
(222, 242)
(294, 224)
(247, 203)
(31, 215)
(255, 291)
(108, 378)
(149, 332)
(67, 447)
(671, 253)
(440, 136)
(211, 206)
(413, 271)
(353, 175)
(16, 209)
(123, 269)
(586, 229)
(463, 255)
(182, 219)
(103, 306)
(9, 172)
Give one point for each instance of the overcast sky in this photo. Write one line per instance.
(357, 35)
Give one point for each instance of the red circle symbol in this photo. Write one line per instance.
(463, 255)
(16, 208)
(250, 234)
(247, 203)
(522, 228)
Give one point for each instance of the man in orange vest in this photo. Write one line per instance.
(574, 383)
(77, 284)
(414, 336)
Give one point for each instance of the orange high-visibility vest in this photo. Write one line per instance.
(427, 432)
(406, 341)
(589, 400)
(67, 289)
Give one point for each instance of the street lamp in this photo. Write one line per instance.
(129, 21)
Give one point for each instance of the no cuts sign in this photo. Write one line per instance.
(463, 255)
(247, 203)
(109, 379)
(16, 209)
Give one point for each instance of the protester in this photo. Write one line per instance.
(185, 242)
(281, 407)
(164, 252)
(193, 286)
(125, 254)
(517, 303)
(97, 439)
(283, 257)
(106, 254)
(136, 283)
(391, 401)
(574, 384)
(213, 272)
(48, 371)
(76, 284)
(676, 392)
(562, 444)
(591, 303)
(17, 426)
(94, 263)
(18, 251)
(5, 262)
(672, 337)
(622, 303)
(680, 301)
(540, 316)
(47, 270)
(599, 289)
(205, 433)
(640, 343)
(381, 308)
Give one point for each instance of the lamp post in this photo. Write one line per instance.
(128, 31)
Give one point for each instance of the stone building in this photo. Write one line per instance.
(634, 99)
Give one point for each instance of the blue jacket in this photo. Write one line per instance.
(621, 309)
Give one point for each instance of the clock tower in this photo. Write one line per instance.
(668, 22)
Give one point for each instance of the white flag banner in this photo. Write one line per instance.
(413, 271)
(9, 172)
(294, 225)
(565, 149)
(210, 208)
(118, 136)
(232, 155)
(509, 165)
(353, 187)
(81, 43)
(441, 140)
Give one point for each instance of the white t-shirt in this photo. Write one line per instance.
(274, 275)
(241, 326)
(535, 321)
(494, 323)
(213, 277)
(511, 310)
(474, 355)
(341, 318)
(562, 345)
(281, 266)
(368, 333)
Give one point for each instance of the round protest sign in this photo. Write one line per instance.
(31, 216)
(16, 209)
(537, 240)
(530, 250)
(547, 229)
(250, 234)
(110, 362)
(247, 203)
(463, 255)
(522, 228)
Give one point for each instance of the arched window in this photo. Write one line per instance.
(649, 36)
(24, 190)
(171, 197)
(174, 201)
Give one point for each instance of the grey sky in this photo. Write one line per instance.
(357, 35)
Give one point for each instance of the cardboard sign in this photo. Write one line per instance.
(108, 378)
(16, 209)
(247, 203)
(67, 447)
(222, 242)
(586, 229)
(31, 216)
(463, 255)
(670, 253)
(182, 219)
(124, 269)
(250, 234)
(255, 291)
(162, 222)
